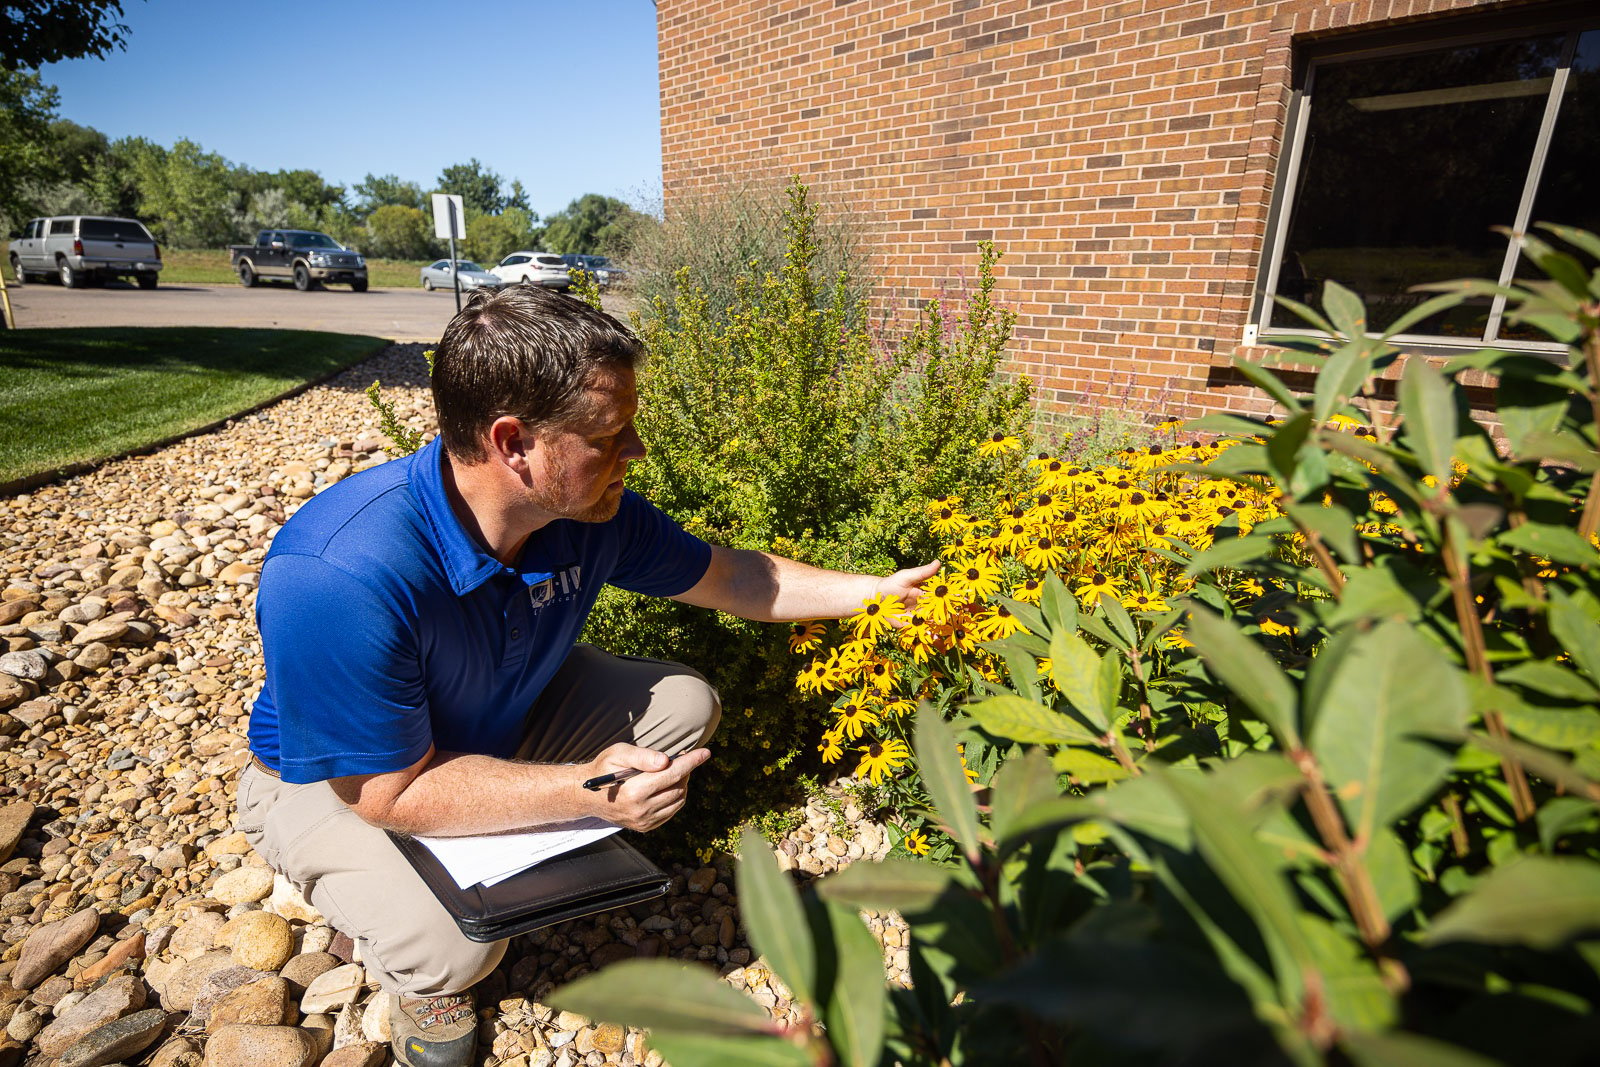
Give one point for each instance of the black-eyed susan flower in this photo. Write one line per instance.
(996, 624)
(873, 620)
(882, 757)
(1094, 585)
(830, 746)
(881, 674)
(999, 443)
(855, 715)
(940, 599)
(915, 842)
(977, 579)
(1029, 592)
(948, 520)
(805, 636)
(1144, 602)
(1045, 554)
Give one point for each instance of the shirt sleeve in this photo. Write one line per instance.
(657, 557)
(344, 673)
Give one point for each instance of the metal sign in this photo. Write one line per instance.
(449, 216)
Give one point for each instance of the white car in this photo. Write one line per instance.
(534, 268)
(437, 276)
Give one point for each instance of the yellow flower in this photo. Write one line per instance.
(804, 636)
(998, 443)
(873, 618)
(977, 579)
(915, 842)
(882, 757)
(830, 747)
(940, 600)
(972, 775)
(1094, 585)
(947, 520)
(997, 624)
(880, 674)
(1144, 602)
(1044, 554)
(1029, 592)
(854, 717)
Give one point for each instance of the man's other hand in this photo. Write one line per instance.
(650, 797)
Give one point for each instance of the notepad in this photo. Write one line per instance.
(491, 858)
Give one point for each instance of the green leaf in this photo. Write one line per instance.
(893, 883)
(1230, 554)
(1400, 1049)
(1573, 236)
(1306, 312)
(1030, 616)
(705, 1051)
(1355, 994)
(1564, 447)
(1246, 669)
(1577, 631)
(1538, 901)
(1562, 268)
(1568, 729)
(945, 781)
(630, 993)
(770, 906)
(1550, 678)
(1029, 721)
(1268, 383)
(1018, 785)
(1331, 522)
(1389, 866)
(1074, 667)
(1090, 768)
(1540, 761)
(856, 1010)
(1344, 309)
(1427, 309)
(1283, 446)
(1059, 606)
(1340, 380)
(1373, 593)
(1233, 425)
(1391, 692)
(1562, 544)
(1430, 417)
(1320, 674)
(1117, 616)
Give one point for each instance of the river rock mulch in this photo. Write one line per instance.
(137, 924)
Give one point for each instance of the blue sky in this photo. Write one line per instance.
(559, 93)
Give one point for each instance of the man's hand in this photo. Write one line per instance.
(649, 798)
(906, 585)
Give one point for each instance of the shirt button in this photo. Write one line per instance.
(515, 634)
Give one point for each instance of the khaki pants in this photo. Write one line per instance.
(351, 872)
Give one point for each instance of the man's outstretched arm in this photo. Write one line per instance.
(768, 588)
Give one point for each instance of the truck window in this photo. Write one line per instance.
(112, 230)
(61, 226)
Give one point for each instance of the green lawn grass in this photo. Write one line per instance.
(209, 266)
(76, 395)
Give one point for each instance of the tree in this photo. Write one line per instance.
(492, 237)
(77, 149)
(35, 32)
(376, 191)
(27, 106)
(476, 185)
(185, 194)
(590, 224)
(400, 232)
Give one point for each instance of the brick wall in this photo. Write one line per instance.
(1122, 155)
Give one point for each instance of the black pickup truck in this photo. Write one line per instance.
(308, 257)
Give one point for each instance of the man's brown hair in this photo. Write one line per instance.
(521, 351)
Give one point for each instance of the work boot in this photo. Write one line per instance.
(433, 1031)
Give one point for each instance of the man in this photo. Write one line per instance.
(419, 624)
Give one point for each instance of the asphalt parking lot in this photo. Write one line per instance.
(398, 314)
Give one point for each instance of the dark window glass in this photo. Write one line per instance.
(1408, 164)
(112, 230)
(61, 226)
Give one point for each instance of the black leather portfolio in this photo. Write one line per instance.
(606, 874)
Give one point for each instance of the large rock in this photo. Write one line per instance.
(264, 1002)
(13, 822)
(118, 997)
(243, 885)
(251, 1046)
(300, 971)
(289, 902)
(333, 989)
(28, 665)
(260, 940)
(179, 1052)
(119, 1040)
(219, 984)
(129, 948)
(52, 945)
(364, 1054)
(183, 986)
(197, 936)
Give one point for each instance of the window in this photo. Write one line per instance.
(113, 230)
(1399, 162)
(60, 226)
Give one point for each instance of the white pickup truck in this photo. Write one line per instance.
(85, 249)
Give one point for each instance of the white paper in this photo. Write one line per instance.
(493, 858)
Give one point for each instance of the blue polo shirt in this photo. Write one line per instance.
(386, 627)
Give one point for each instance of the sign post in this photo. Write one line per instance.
(450, 220)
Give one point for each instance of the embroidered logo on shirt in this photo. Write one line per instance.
(559, 587)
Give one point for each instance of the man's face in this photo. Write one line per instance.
(578, 467)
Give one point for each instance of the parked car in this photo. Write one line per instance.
(306, 256)
(438, 276)
(605, 272)
(85, 249)
(535, 268)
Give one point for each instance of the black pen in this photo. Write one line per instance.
(619, 776)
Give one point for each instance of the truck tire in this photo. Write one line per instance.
(302, 277)
(247, 274)
(147, 280)
(17, 272)
(70, 279)
(359, 285)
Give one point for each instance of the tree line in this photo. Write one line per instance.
(192, 198)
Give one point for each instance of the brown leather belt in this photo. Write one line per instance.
(255, 760)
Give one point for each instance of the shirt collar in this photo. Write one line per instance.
(468, 563)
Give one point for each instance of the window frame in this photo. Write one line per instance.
(1573, 19)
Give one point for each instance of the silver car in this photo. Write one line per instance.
(534, 268)
(438, 276)
(85, 249)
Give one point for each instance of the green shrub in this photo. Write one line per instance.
(781, 424)
(1363, 824)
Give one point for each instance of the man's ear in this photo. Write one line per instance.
(510, 442)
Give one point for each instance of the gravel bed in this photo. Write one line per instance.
(137, 924)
